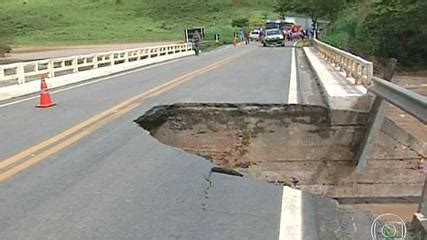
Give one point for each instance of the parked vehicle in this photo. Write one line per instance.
(273, 37)
(254, 35)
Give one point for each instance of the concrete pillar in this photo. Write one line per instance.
(75, 64)
(348, 68)
(362, 74)
(112, 59)
(1, 73)
(370, 70)
(420, 218)
(140, 54)
(21, 74)
(126, 57)
(50, 68)
(422, 208)
(95, 61)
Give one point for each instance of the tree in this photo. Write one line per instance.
(313, 8)
(241, 22)
(383, 29)
(396, 26)
(282, 7)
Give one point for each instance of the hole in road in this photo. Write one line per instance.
(277, 143)
(303, 145)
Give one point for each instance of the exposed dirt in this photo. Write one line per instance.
(404, 210)
(417, 82)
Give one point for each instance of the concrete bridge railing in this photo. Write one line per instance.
(354, 66)
(20, 73)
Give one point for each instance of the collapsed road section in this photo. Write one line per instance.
(311, 147)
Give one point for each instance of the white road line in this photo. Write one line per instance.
(293, 88)
(88, 82)
(291, 215)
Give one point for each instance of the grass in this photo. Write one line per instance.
(70, 22)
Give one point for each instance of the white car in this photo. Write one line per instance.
(254, 35)
(273, 37)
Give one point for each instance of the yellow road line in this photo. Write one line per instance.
(55, 144)
(63, 144)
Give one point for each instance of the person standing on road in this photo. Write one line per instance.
(246, 37)
(261, 36)
(197, 40)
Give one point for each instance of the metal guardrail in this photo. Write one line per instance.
(387, 92)
(19, 73)
(353, 66)
(408, 101)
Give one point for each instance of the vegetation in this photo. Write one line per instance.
(282, 7)
(6, 37)
(377, 29)
(380, 29)
(241, 22)
(63, 22)
(312, 8)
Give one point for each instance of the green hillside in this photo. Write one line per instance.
(58, 22)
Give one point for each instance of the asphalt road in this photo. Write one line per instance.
(109, 179)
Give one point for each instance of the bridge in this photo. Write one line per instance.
(242, 142)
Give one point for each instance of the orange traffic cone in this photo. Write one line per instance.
(45, 100)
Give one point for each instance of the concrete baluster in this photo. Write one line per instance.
(333, 59)
(140, 54)
(126, 56)
(21, 74)
(362, 74)
(348, 68)
(95, 61)
(50, 68)
(74, 63)
(370, 70)
(112, 59)
(1, 73)
(336, 60)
